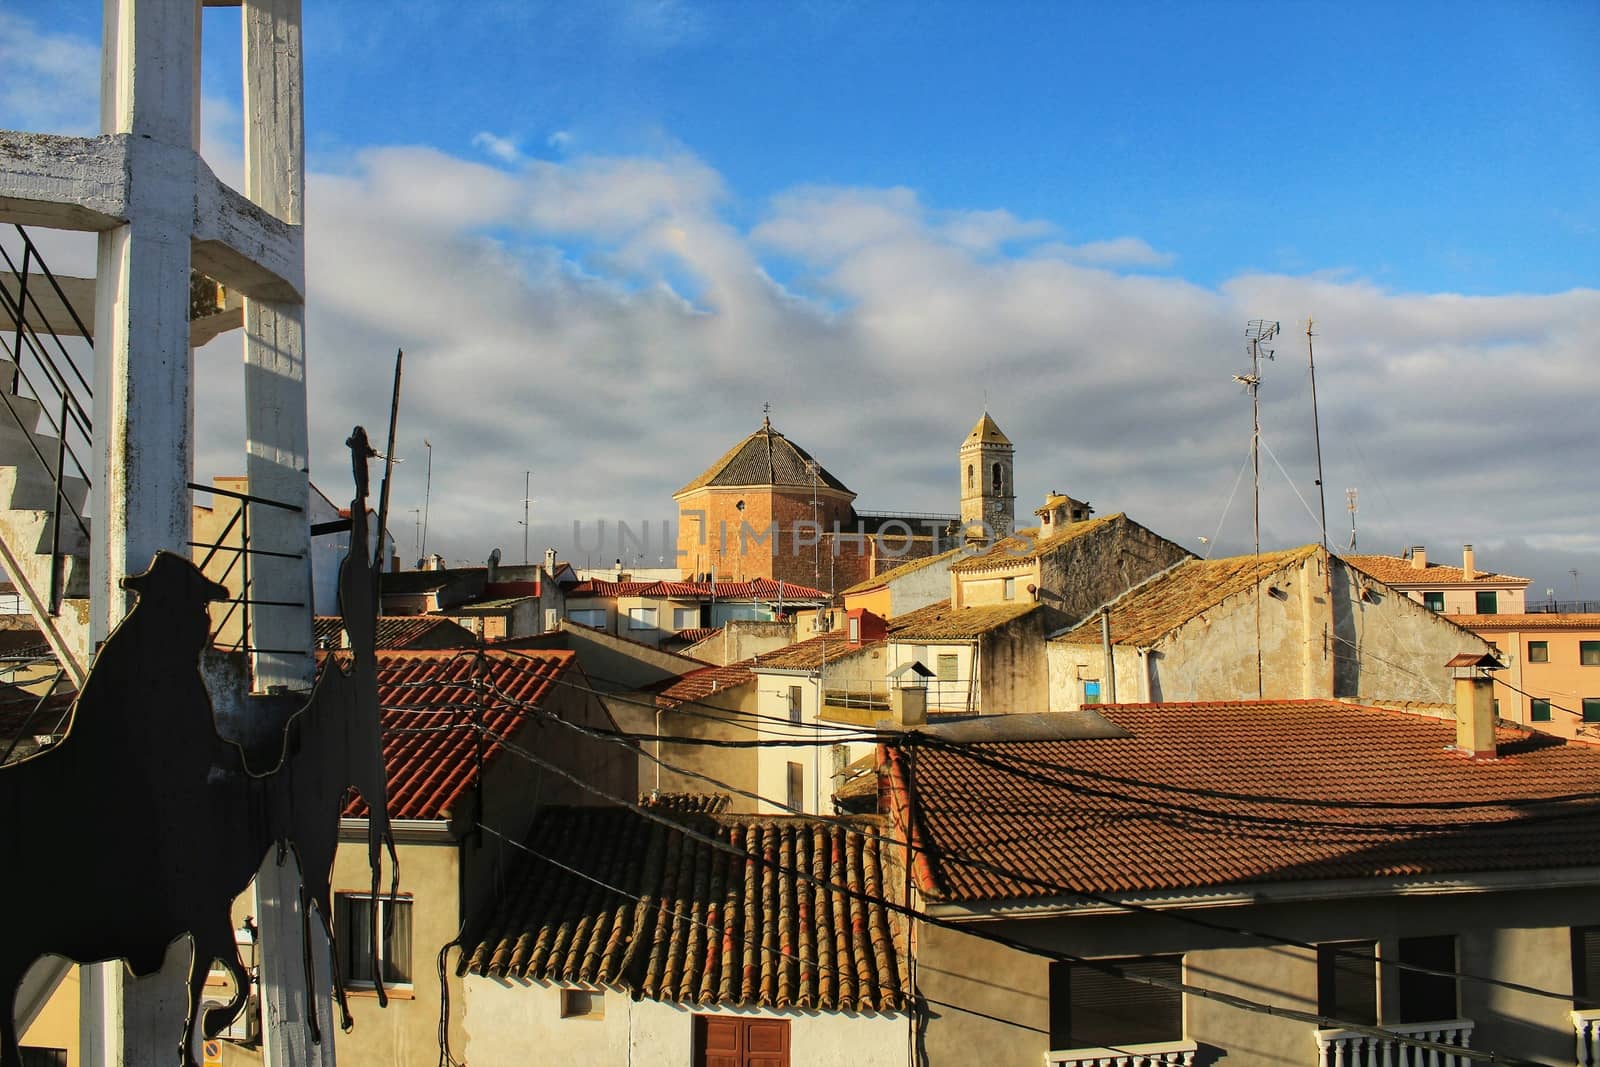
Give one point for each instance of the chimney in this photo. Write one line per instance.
(1469, 573)
(1475, 704)
(550, 562)
(909, 704)
(1419, 557)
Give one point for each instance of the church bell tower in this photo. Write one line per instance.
(987, 495)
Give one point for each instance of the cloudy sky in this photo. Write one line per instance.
(607, 233)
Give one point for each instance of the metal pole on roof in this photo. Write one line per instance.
(1316, 434)
(1257, 332)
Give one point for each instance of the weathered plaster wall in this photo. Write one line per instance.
(1094, 568)
(1012, 673)
(1389, 647)
(1069, 665)
(735, 766)
(1520, 937)
(520, 1022)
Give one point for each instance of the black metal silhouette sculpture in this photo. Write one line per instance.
(144, 824)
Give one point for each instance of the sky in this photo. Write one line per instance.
(606, 234)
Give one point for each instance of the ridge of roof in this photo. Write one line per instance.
(1529, 620)
(1026, 544)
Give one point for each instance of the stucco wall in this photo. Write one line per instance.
(1564, 680)
(1090, 570)
(735, 766)
(1389, 647)
(508, 1022)
(1069, 665)
(1520, 937)
(1012, 674)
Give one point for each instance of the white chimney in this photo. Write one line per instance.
(1469, 573)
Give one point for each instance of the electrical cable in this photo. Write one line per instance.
(1015, 944)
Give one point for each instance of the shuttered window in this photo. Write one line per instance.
(722, 1041)
(1586, 967)
(1090, 1009)
(1347, 981)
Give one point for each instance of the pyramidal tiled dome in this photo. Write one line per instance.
(765, 458)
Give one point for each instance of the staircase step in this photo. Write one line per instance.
(26, 408)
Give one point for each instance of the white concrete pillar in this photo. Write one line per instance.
(277, 444)
(285, 1017)
(142, 375)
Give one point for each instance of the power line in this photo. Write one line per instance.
(1230, 999)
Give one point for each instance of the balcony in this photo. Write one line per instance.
(1586, 1027)
(1156, 1054)
(1347, 1048)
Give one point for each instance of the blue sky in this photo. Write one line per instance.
(607, 232)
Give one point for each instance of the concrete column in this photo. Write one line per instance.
(277, 443)
(285, 1000)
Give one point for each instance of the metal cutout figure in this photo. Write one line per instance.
(144, 824)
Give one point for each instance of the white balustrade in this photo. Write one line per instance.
(1350, 1048)
(1154, 1054)
(1586, 1027)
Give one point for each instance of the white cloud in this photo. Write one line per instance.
(1117, 252)
(51, 82)
(502, 148)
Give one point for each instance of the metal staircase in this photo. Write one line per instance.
(45, 437)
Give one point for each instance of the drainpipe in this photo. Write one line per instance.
(1144, 673)
(1105, 646)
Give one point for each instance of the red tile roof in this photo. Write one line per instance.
(429, 698)
(394, 631)
(694, 924)
(812, 653)
(758, 589)
(1538, 620)
(1121, 815)
(695, 636)
(697, 685)
(1394, 570)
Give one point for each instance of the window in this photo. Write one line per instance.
(855, 629)
(795, 794)
(1538, 710)
(794, 703)
(1538, 651)
(999, 482)
(583, 1004)
(1488, 601)
(1586, 967)
(1091, 690)
(1090, 1008)
(354, 922)
(641, 618)
(948, 667)
(591, 617)
(1428, 997)
(969, 475)
(1347, 981)
(732, 1041)
(1589, 653)
(685, 618)
(1011, 589)
(1591, 709)
(38, 1056)
(1433, 601)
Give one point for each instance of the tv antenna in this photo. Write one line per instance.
(1257, 333)
(1316, 434)
(527, 485)
(427, 495)
(1351, 502)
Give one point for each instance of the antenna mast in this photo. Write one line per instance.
(427, 495)
(527, 488)
(1257, 332)
(1316, 433)
(1350, 497)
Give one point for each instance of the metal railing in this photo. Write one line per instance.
(242, 552)
(64, 405)
(1564, 607)
(866, 697)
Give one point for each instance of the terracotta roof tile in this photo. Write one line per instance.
(1118, 815)
(757, 589)
(698, 634)
(695, 924)
(939, 622)
(810, 654)
(428, 700)
(394, 631)
(697, 685)
(1394, 570)
(1537, 620)
(1026, 545)
(1149, 611)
